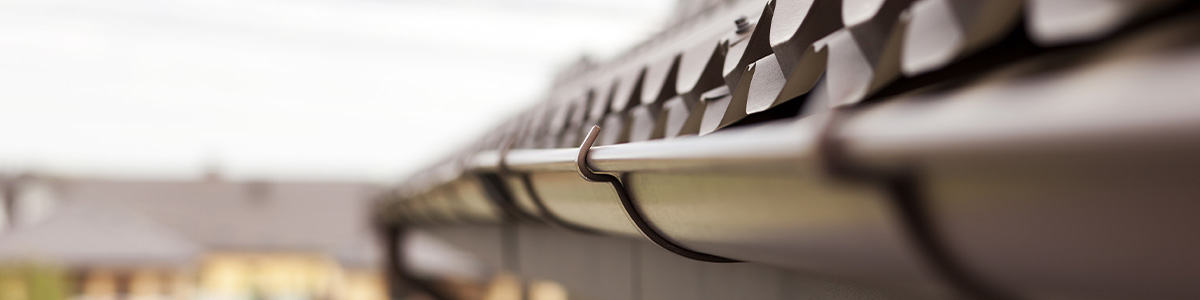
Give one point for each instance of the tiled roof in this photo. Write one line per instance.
(89, 233)
(214, 215)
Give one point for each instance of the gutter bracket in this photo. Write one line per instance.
(631, 208)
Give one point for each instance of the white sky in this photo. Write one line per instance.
(281, 89)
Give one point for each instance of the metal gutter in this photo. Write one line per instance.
(1066, 174)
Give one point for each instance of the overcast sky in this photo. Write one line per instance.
(281, 89)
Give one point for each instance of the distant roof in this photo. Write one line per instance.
(97, 234)
(328, 218)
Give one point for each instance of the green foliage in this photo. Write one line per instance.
(28, 281)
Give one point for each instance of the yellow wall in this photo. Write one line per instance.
(220, 275)
(99, 284)
(142, 283)
(363, 285)
(273, 275)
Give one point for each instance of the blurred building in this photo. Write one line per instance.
(195, 239)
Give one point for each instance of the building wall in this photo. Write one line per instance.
(131, 283)
(362, 285)
(284, 276)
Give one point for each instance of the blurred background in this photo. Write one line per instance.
(176, 149)
(342, 89)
